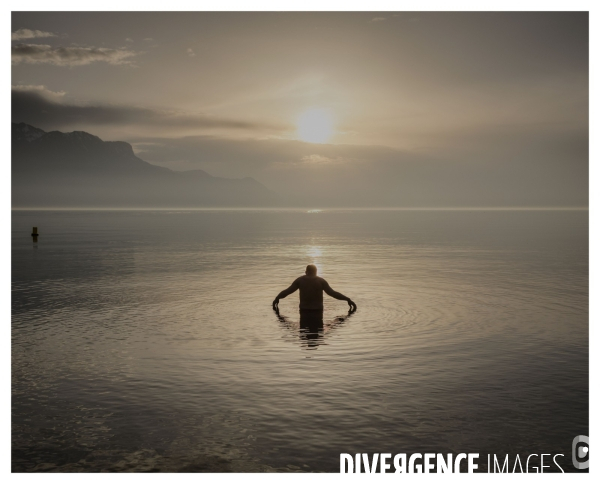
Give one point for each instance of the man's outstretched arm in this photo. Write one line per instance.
(285, 293)
(339, 295)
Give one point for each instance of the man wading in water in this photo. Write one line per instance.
(311, 292)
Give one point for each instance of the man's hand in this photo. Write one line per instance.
(352, 305)
(276, 304)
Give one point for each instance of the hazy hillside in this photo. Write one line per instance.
(78, 169)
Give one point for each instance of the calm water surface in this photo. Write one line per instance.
(145, 340)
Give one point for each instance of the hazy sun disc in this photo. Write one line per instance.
(315, 126)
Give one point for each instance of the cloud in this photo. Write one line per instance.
(190, 52)
(128, 39)
(320, 159)
(23, 34)
(378, 19)
(42, 91)
(68, 56)
(312, 160)
(42, 108)
(148, 39)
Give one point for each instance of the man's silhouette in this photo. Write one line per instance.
(311, 292)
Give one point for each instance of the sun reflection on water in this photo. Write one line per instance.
(314, 251)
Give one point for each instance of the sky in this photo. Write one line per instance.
(334, 108)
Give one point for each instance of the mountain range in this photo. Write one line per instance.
(79, 170)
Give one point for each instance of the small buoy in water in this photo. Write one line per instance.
(34, 232)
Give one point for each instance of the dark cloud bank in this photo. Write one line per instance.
(40, 107)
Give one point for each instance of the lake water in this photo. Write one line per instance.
(145, 340)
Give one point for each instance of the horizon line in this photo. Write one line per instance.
(312, 209)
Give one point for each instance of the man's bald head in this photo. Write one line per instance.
(311, 270)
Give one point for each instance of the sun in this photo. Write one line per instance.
(315, 126)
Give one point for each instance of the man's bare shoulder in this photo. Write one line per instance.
(323, 282)
(317, 280)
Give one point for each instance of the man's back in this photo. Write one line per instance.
(311, 291)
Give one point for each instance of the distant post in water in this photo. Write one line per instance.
(34, 234)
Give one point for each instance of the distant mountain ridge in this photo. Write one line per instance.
(24, 132)
(78, 169)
